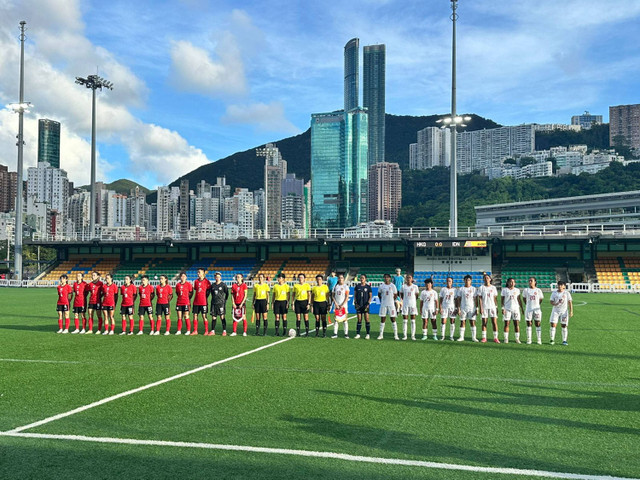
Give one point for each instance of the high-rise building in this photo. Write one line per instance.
(275, 170)
(184, 206)
(433, 149)
(293, 201)
(138, 209)
(49, 185)
(385, 191)
(586, 120)
(339, 158)
(164, 211)
(49, 142)
(241, 210)
(373, 96)
(624, 124)
(351, 74)
(259, 199)
(8, 189)
(221, 191)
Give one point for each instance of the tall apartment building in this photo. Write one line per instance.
(293, 207)
(275, 170)
(586, 120)
(373, 99)
(49, 142)
(183, 206)
(385, 191)
(624, 121)
(49, 185)
(433, 149)
(8, 189)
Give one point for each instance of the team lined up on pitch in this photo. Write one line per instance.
(398, 296)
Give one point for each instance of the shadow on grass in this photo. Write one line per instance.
(441, 405)
(53, 328)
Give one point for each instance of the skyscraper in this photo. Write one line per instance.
(275, 170)
(49, 142)
(373, 93)
(624, 123)
(385, 191)
(351, 74)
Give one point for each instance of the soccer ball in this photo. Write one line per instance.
(292, 332)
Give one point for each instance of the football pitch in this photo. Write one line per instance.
(76, 406)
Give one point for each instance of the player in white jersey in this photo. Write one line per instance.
(511, 309)
(429, 307)
(448, 308)
(466, 301)
(532, 297)
(562, 310)
(487, 301)
(388, 293)
(410, 293)
(340, 300)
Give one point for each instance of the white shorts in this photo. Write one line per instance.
(535, 314)
(432, 314)
(511, 315)
(388, 310)
(409, 310)
(490, 313)
(468, 314)
(448, 313)
(563, 317)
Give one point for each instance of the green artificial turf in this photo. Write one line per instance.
(569, 409)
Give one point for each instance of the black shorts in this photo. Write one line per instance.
(182, 308)
(320, 308)
(260, 306)
(362, 309)
(95, 306)
(199, 309)
(163, 309)
(104, 308)
(126, 310)
(218, 310)
(62, 308)
(142, 310)
(79, 309)
(280, 307)
(300, 306)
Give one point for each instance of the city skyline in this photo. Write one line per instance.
(164, 118)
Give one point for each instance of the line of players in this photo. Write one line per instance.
(397, 297)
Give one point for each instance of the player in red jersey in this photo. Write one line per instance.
(80, 291)
(164, 294)
(129, 293)
(239, 295)
(95, 294)
(145, 292)
(64, 296)
(201, 286)
(184, 290)
(109, 301)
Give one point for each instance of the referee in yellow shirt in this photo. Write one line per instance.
(301, 302)
(280, 302)
(261, 303)
(319, 296)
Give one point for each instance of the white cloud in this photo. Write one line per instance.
(265, 117)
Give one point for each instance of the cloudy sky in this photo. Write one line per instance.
(197, 80)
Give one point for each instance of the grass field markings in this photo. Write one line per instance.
(144, 387)
(632, 312)
(579, 304)
(318, 454)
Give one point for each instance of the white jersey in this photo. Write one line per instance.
(409, 295)
(387, 294)
(488, 295)
(340, 293)
(511, 299)
(428, 298)
(447, 298)
(533, 297)
(467, 296)
(562, 300)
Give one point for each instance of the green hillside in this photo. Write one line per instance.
(122, 185)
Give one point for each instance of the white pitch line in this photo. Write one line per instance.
(144, 387)
(317, 454)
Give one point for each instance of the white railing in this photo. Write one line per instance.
(601, 287)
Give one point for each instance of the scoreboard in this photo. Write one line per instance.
(453, 243)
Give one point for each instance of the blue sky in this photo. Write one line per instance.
(198, 80)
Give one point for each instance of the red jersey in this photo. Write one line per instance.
(96, 291)
(109, 295)
(202, 291)
(163, 294)
(184, 290)
(81, 290)
(239, 292)
(128, 294)
(146, 295)
(63, 294)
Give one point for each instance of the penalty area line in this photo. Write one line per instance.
(317, 454)
(142, 388)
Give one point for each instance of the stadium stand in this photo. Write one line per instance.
(440, 278)
(520, 270)
(228, 267)
(375, 268)
(618, 270)
(83, 265)
(292, 266)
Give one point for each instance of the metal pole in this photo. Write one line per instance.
(454, 141)
(92, 200)
(18, 227)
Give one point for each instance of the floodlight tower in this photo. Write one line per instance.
(94, 82)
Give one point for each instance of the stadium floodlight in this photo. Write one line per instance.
(93, 82)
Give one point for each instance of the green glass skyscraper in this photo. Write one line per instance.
(351, 74)
(373, 92)
(49, 142)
